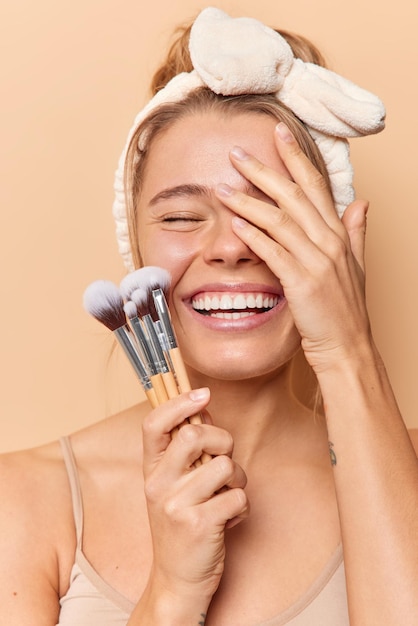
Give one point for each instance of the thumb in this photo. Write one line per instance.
(355, 222)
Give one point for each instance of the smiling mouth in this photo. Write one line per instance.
(234, 306)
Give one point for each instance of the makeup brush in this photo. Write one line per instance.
(163, 388)
(131, 289)
(158, 287)
(140, 297)
(161, 306)
(150, 296)
(138, 286)
(135, 323)
(151, 277)
(149, 288)
(103, 300)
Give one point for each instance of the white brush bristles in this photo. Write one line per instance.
(128, 284)
(103, 300)
(130, 309)
(138, 286)
(149, 277)
(155, 278)
(141, 299)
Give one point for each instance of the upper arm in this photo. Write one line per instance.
(29, 572)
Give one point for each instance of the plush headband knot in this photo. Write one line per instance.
(234, 56)
(241, 55)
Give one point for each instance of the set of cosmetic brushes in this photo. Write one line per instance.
(138, 315)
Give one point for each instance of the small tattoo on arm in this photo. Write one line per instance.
(202, 621)
(332, 453)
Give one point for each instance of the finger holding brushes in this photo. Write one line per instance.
(188, 508)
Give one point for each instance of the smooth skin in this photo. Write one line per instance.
(175, 543)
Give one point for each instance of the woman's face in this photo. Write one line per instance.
(228, 309)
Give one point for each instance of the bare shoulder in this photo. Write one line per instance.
(31, 480)
(35, 526)
(37, 478)
(413, 433)
(37, 534)
(34, 487)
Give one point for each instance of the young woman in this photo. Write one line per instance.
(299, 518)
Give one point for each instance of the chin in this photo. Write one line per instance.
(241, 365)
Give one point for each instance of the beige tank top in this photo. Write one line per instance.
(90, 601)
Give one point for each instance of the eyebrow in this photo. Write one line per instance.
(190, 190)
(180, 191)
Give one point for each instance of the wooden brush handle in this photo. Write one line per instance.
(180, 370)
(183, 385)
(159, 388)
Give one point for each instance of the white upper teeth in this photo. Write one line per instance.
(235, 301)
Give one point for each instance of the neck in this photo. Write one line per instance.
(260, 413)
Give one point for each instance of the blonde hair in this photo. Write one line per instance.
(204, 100)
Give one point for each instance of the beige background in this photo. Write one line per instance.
(72, 78)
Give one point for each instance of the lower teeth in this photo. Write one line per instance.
(231, 316)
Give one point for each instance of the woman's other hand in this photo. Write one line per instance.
(318, 258)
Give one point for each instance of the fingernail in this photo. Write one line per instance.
(284, 133)
(223, 189)
(239, 153)
(197, 395)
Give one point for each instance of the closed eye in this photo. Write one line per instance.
(182, 218)
(181, 222)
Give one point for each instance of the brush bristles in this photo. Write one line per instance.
(128, 284)
(138, 286)
(103, 300)
(155, 278)
(149, 277)
(130, 309)
(144, 303)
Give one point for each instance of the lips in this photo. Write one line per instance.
(234, 305)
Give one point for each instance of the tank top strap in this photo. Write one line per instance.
(76, 497)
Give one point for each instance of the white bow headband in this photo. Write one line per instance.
(235, 56)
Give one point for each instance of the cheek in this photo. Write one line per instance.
(172, 251)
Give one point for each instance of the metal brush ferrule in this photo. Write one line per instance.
(163, 342)
(164, 315)
(122, 335)
(144, 344)
(158, 354)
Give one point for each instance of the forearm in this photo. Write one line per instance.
(376, 478)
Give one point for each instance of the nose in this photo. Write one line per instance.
(225, 248)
